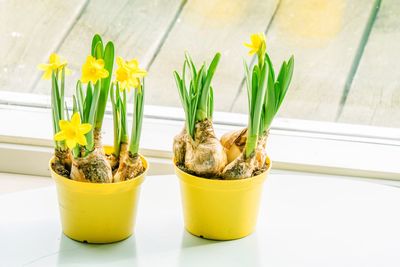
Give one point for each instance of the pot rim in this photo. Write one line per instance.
(219, 184)
(69, 182)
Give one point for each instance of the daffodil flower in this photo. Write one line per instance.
(73, 132)
(55, 63)
(257, 44)
(93, 70)
(129, 73)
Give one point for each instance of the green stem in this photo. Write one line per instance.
(257, 95)
(137, 119)
(92, 115)
(116, 120)
(108, 57)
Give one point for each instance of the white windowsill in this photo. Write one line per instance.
(330, 148)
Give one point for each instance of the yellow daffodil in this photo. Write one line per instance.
(257, 44)
(93, 70)
(55, 63)
(73, 132)
(129, 73)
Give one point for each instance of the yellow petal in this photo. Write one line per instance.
(76, 119)
(81, 139)
(43, 66)
(54, 58)
(47, 74)
(135, 83)
(59, 136)
(99, 63)
(134, 63)
(71, 143)
(85, 128)
(63, 124)
(103, 73)
(120, 62)
(248, 45)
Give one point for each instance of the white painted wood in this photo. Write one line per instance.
(10, 183)
(304, 221)
(29, 32)
(374, 97)
(341, 131)
(323, 36)
(289, 149)
(135, 27)
(202, 29)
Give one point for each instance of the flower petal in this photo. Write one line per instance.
(120, 62)
(71, 143)
(59, 136)
(76, 120)
(47, 74)
(84, 128)
(81, 139)
(63, 124)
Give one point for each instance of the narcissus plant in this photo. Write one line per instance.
(246, 148)
(239, 154)
(79, 153)
(196, 148)
(126, 162)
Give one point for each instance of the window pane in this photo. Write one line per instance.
(346, 51)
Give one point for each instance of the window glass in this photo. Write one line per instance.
(346, 51)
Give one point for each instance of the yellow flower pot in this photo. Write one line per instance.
(220, 209)
(98, 213)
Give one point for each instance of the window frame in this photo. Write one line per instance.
(294, 145)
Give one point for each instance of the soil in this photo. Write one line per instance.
(183, 168)
(60, 170)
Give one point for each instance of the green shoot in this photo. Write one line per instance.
(91, 105)
(119, 117)
(276, 92)
(197, 98)
(138, 99)
(256, 89)
(108, 56)
(265, 96)
(58, 103)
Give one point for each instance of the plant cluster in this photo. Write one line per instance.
(79, 153)
(243, 152)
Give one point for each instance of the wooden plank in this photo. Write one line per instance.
(136, 27)
(29, 31)
(374, 97)
(324, 36)
(202, 29)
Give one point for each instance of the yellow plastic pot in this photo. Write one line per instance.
(98, 213)
(220, 209)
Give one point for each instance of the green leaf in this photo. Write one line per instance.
(74, 106)
(271, 66)
(189, 61)
(96, 39)
(198, 108)
(280, 82)
(88, 102)
(254, 86)
(205, 88)
(248, 85)
(61, 101)
(259, 101)
(79, 99)
(287, 79)
(56, 97)
(211, 103)
(105, 84)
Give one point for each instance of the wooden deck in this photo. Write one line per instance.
(346, 52)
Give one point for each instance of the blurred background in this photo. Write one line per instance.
(347, 52)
